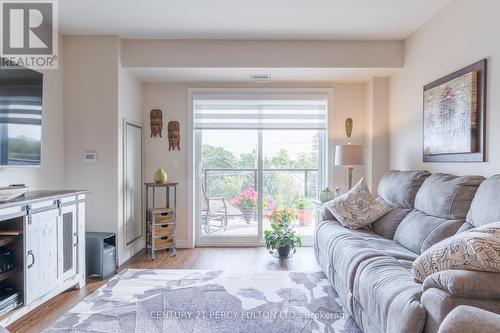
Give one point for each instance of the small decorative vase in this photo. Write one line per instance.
(284, 252)
(326, 195)
(248, 214)
(160, 176)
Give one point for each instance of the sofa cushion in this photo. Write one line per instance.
(419, 231)
(357, 208)
(387, 225)
(447, 196)
(477, 249)
(345, 249)
(485, 208)
(399, 188)
(387, 293)
(466, 226)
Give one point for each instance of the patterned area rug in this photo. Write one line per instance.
(210, 301)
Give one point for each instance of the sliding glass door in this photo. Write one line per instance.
(255, 154)
(229, 182)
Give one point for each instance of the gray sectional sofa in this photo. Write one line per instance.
(371, 267)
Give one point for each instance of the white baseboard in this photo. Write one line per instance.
(183, 244)
(131, 251)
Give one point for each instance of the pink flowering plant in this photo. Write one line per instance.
(245, 199)
(248, 199)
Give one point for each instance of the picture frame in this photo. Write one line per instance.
(454, 116)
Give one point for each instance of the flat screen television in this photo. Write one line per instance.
(20, 117)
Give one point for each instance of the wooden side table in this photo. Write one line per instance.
(161, 222)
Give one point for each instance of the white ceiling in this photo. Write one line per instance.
(250, 19)
(242, 75)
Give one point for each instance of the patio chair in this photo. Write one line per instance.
(213, 209)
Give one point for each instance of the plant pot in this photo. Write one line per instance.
(248, 214)
(284, 252)
(305, 216)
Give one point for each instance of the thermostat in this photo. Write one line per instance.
(90, 157)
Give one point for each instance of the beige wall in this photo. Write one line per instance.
(465, 32)
(377, 131)
(91, 124)
(263, 53)
(172, 99)
(98, 95)
(50, 174)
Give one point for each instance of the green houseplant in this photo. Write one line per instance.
(305, 210)
(282, 239)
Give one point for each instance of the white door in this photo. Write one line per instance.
(132, 183)
(68, 242)
(41, 254)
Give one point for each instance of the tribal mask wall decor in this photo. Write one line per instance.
(156, 123)
(174, 136)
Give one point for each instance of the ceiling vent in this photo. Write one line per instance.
(260, 78)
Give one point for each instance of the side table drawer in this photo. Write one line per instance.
(163, 215)
(163, 242)
(162, 229)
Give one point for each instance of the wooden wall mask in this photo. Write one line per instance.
(174, 136)
(156, 122)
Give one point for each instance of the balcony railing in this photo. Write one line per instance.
(254, 172)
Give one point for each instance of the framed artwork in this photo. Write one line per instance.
(454, 116)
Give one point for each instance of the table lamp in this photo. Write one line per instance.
(349, 156)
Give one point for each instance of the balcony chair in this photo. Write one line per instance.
(213, 209)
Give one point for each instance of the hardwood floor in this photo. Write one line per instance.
(233, 258)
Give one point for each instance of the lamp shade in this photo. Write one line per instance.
(349, 155)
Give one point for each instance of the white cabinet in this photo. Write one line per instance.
(52, 241)
(50, 247)
(41, 254)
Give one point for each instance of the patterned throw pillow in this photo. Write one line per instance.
(357, 208)
(473, 250)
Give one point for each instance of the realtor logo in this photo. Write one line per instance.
(29, 34)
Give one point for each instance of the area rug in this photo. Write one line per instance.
(210, 301)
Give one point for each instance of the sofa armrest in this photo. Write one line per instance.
(324, 214)
(467, 284)
(464, 319)
(439, 303)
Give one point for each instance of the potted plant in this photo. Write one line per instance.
(246, 201)
(305, 210)
(282, 239)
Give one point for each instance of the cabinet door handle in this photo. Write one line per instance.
(77, 239)
(30, 253)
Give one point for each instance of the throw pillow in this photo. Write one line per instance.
(474, 250)
(357, 208)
